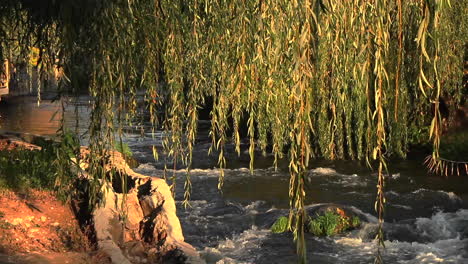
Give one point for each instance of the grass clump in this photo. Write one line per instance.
(328, 224)
(280, 225)
(355, 221)
(47, 168)
(23, 169)
(325, 225)
(332, 223)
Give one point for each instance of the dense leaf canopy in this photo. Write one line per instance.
(338, 79)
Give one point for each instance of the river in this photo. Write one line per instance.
(426, 216)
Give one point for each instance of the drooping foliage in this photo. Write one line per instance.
(337, 79)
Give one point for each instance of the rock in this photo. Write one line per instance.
(135, 248)
(174, 257)
(152, 251)
(149, 203)
(107, 227)
(142, 221)
(114, 252)
(133, 216)
(323, 171)
(138, 219)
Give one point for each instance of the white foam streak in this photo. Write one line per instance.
(442, 229)
(442, 225)
(235, 247)
(323, 171)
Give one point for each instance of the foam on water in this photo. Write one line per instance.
(147, 169)
(237, 247)
(360, 194)
(323, 171)
(442, 238)
(230, 232)
(446, 251)
(444, 225)
(406, 207)
(451, 195)
(369, 218)
(248, 246)
(150, 169)
(336, 178)
(445, 237)
(393, 193)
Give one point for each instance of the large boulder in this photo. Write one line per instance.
(138, 224)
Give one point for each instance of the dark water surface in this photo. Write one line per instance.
(426, 217)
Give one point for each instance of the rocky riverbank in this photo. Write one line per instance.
(137, 224)
(37, 228)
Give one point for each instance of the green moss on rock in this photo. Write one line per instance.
(332, 223)
(328, 221)
(280, 225)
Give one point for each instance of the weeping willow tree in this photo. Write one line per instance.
(337, 79)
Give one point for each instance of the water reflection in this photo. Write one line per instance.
(25, 115)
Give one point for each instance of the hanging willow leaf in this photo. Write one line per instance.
(307, 78)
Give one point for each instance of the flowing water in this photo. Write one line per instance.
(426, 216)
